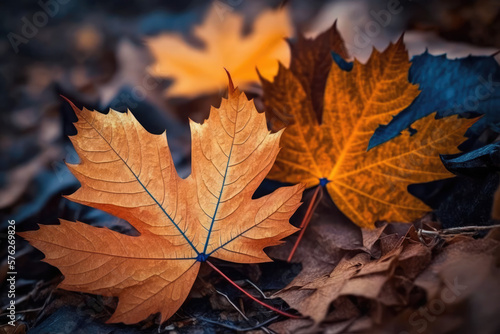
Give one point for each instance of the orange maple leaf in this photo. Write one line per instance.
(129, 173)
(197, 70)
(366, 186)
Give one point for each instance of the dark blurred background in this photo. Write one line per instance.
(94, 53)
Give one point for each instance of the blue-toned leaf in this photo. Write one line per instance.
(341, 63)
(480, 161)
(449, 86)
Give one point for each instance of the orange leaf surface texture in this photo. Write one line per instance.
(197, 70)
(129, 173)
(366, 186)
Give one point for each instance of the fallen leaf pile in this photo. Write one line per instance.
(363, 281)
(386, 280)
(367, 281)
(129, 173)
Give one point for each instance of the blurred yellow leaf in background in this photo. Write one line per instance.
(199, 70)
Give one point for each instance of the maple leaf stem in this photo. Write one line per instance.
(310, 210)
(305, 221)
(250, 296)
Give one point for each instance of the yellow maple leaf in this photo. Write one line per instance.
(199, 70)
(366, 186)
(128, 172)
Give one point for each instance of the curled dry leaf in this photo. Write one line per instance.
(391, 284)
(197, 71)
(366, 186)
(386, 280)
(129, 172)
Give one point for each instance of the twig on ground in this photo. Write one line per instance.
(240, 311)
(449, 232)
(257, 288)
(252, 297)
